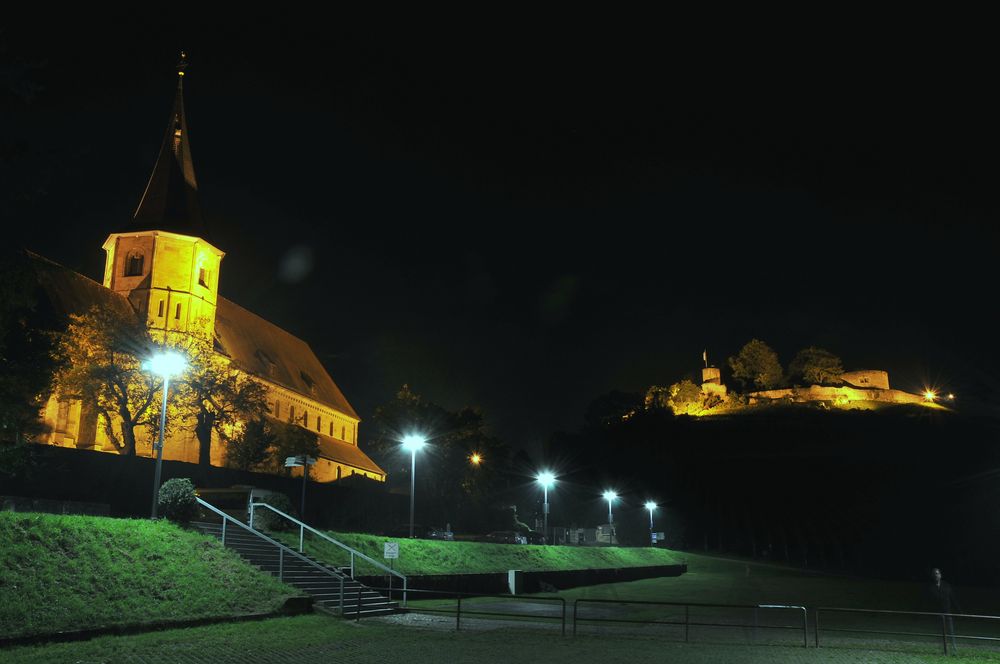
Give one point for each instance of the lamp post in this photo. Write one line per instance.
(412, 443)
(610, 496)
(164, 364)
(650, 505)
(546, 479)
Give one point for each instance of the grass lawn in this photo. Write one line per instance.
(321, 639)
(62, 573)
(438, 557)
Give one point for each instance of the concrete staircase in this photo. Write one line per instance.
(325, 587)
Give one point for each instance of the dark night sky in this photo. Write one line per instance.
(524, 222)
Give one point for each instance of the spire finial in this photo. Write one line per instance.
(182, 65)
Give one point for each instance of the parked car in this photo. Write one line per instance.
(534, 537)
(421, 532)
(505, 537)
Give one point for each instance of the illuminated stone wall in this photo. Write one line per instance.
(837, 395)
(867, 378)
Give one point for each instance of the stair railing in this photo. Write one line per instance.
(281, 547)
(354, 552)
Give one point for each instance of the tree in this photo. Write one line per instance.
(612, 408)
(213, 392)
(756, 364)
(98, 359)
(815, 366)
(26, 363)
(686, 398)
(451, 482)
(252, 447)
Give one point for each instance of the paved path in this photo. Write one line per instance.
(422, 639)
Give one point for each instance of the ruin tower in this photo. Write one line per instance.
(711, 379)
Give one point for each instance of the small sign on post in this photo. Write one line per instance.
(391, 550)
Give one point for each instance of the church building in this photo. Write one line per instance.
(162, 268)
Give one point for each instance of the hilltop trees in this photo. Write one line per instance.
(815, 366)
(757, 366)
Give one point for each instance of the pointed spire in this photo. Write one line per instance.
(170, 201)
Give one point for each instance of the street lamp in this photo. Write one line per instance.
(476, 458)
(411, 444)
(650, 505)
(546, 479)
(164, 364)
(610, 496)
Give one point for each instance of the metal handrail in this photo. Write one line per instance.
(687, 615)
(946, 630)
(352, 551)
(281, 547)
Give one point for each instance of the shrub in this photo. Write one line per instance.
(265, 519)
(177, 500)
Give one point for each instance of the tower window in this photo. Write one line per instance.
(203, 277)
(177, 312)
(319, 423)
(305, 418)
(343, 433)
(277, 409)
(291, 413)
(133, 264)
(331, 429)
(159, 311)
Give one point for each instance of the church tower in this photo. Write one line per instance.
(161, 261)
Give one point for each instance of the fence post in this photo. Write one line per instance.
(816, 626)
(687, 622)
(805, 627)
(251, 513)
(576, 603)
(281, 564)
(224, 531)
(301, 536)
(358, 619)
(458, 614)
(352, 564)
(563, 615)
(944, 633)
(404, 591)
(342, 595)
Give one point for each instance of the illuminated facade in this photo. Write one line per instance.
(167, 273)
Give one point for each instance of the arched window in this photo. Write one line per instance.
(133, 264)
(331, 428)
(343, 432)
(277, 409)
(319, 423)
(340, 470)
(291, 413)
(305, 418)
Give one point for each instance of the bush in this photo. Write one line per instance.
(177, 500)
(265, 519)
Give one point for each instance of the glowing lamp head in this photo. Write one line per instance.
(413, 442)
(546, 479)
(930, 395)
(650, 505)
(476, 458)
(166, 364)
(610, 495)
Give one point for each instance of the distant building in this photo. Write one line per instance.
(162, 269)
(858, 386)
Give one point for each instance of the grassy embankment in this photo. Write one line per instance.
(438, 557)
(61, 573)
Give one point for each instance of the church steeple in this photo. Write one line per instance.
(170, 201)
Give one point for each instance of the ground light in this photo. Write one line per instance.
(546, 479)
(476, 458)
(411, 444)
(650, 505)
(930, 395)
(165, 364)
(610, 496)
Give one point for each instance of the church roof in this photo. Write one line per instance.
(170, 201)
(264, 349)
(254, 344)
(347, 454)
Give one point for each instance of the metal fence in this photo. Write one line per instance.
(457, 610)
(942, 623)
(687, 623)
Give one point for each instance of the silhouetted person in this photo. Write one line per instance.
(944, 600)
